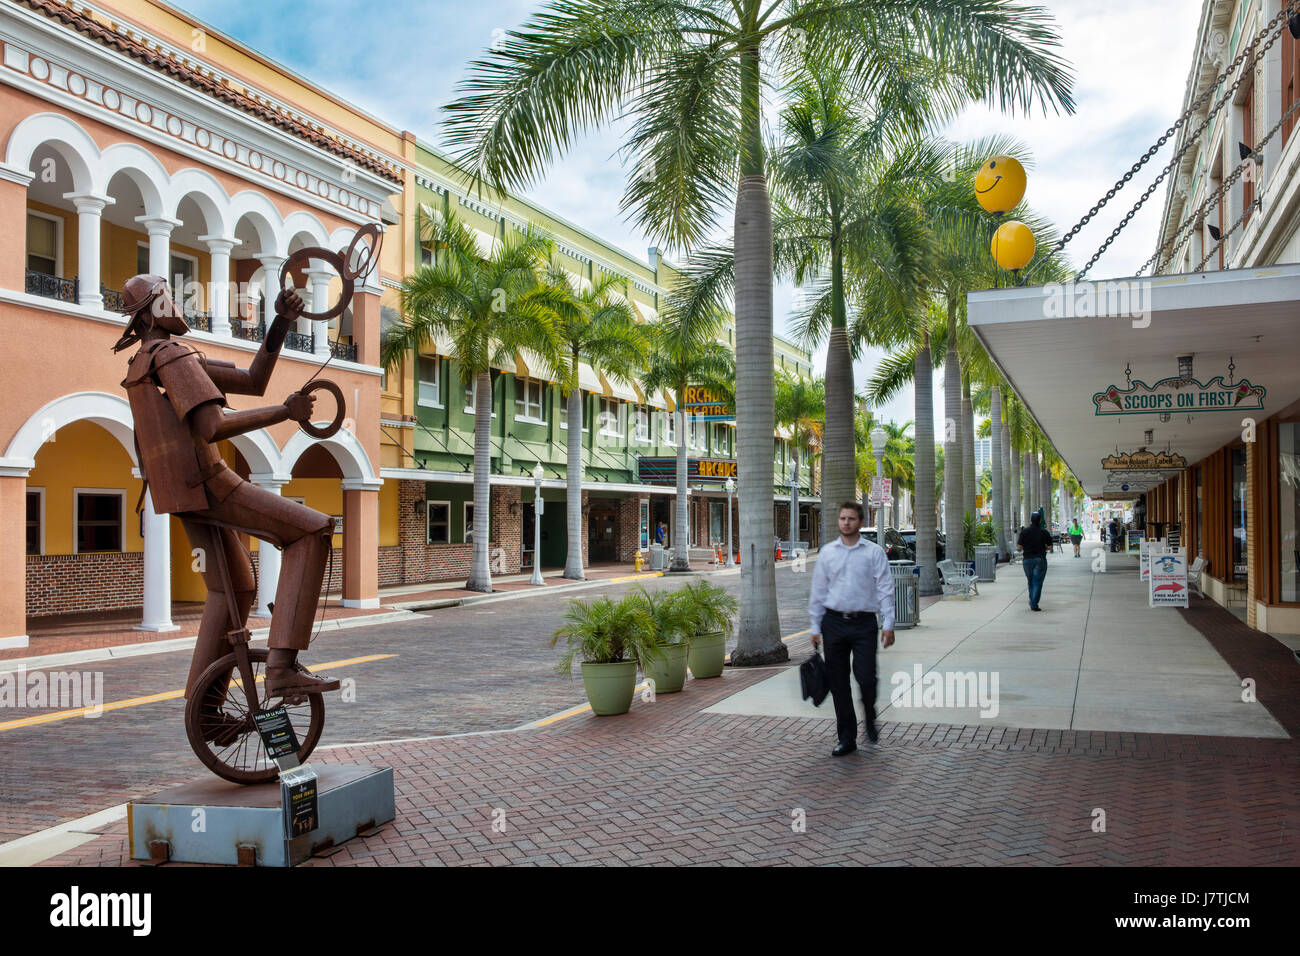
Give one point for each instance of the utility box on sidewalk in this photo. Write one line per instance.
(907, 594)
(986, 562)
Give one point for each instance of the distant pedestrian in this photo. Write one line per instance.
(1034, 542)
(1114, 534)
(661, 533)
(850, 584)
(1076, 536)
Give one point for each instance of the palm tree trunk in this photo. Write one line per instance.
(480, 572)
(923, 398)
(995, 445)
(1017, 513)
(969, 479)
(1045, 486)
(682, 533)
(838, 453)
(573, 481)
(1007, 519)
(759, 640)
(953, 471)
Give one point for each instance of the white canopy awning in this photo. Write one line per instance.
(528, 364)
(1062, 348)
(617, 388)
(486, 242)
(588, 380)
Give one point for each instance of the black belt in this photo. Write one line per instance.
(850, 615)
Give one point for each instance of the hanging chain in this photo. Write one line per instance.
(1187, 113)
(1214, 200)
(1231, 369)
(1128, 374)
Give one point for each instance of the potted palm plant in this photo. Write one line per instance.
(673, 626)
(610, 637)
(711, 611)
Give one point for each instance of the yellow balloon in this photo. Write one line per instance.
(1000, 184)
(1013, 245)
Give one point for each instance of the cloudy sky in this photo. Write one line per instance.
(402, 60)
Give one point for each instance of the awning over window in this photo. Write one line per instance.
(528, 364)
(588, 381)
(616, 388)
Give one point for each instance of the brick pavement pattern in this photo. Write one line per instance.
(667, 784)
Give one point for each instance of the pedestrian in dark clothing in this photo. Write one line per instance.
(1114, 534)
(1034, 542)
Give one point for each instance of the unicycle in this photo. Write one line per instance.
(219, 714)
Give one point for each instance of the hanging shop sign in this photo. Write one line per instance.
(1134, 481)
(1144, 460)
(663, 470)
(1176, 395)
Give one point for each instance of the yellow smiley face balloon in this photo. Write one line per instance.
(1000, 184)
(1013, 245)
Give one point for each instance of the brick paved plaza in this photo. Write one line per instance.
(682, 781)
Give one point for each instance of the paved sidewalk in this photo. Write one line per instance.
(1096, 658)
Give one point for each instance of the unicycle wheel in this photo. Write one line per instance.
(221, 730)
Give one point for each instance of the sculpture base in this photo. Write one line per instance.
(214, 821)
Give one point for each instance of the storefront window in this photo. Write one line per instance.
(1200, 525)
(1239, 514)
(1288, 473)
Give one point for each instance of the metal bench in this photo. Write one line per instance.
(958, 580)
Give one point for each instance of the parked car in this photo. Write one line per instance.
(909, 535)
(896, 546)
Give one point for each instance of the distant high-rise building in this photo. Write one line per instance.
(983, 454)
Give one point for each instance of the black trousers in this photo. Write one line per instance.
(841, 638)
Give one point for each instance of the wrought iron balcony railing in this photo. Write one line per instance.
(300, 342)
(344, 350)
(51, 287)
(249, 333)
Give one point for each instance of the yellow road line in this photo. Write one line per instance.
(573, 712)
(156, 698)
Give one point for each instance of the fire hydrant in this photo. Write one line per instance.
(637, 563)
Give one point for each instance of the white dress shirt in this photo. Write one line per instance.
(852, 579)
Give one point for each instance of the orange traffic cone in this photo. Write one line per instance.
(778, 551)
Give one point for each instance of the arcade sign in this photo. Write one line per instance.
(663, 470)
(706, 404)
(1176, 395)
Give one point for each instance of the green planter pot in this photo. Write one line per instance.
(708, 654)
(669, 671)
(610, 687)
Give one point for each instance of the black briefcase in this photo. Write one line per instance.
(812, 679)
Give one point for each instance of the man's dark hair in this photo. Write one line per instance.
(855, 506)
(1036, 519)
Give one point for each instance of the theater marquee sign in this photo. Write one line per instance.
(1176, 395)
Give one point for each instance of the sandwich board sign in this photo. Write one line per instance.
(1168, 580)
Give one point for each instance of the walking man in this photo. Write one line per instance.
(851, 583)
(1034, 542)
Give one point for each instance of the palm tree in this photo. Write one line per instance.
(489, 308)
(801, 407)
(684, 350)
(688, 76)
(602, 330)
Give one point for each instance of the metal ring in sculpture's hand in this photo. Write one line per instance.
(330, 430)
(365, 253)
(303, 258)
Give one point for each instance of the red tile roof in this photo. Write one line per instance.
(211, 85)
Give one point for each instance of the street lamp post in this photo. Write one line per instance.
(878, 438)
(731, 490)
(537, 525)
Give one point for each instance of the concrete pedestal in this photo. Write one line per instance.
(214, 821)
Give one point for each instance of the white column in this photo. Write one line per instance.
(89, 209)
(318, 279)
(270, 283)
(268, 556)
(219, 248)
(160, 246)
(157, 614)
(1268, 99)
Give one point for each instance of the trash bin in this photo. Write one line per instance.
(656, 557)
(907, 595)
(986, 562)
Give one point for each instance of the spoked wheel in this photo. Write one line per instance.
(218, 710)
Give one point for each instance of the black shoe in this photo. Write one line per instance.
(1034, 607)
(872, 733)
(842, 748)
